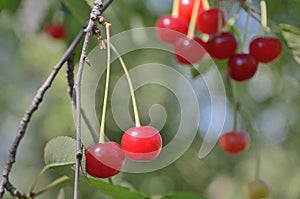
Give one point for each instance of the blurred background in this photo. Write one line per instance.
(28, 52)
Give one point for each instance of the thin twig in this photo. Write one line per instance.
(27, 116)
(5, 183)
(78, 111)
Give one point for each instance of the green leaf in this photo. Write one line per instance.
(79, 8)
(60, 151)
(291, 36)
(116, 191)
(9, 5)
(184, 195)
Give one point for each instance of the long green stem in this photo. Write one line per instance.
(246, 28)
(175, 9)
(234, 101)
(256, 140)
(192, 25)
(134, 104)
(37, 178)
(102, 125)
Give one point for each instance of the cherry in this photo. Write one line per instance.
(141, 143)
(265, 49)
(257, 189)
(186, 8)
(242, 67)
(104, 160)
(189, 51)
(222, 45)
(234, 142)
(207, 21)
(56, 31)
(169, 28)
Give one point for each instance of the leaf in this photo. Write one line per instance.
(9, 5)
(291, 36)
(184, 195)
(60, 151)
(116, 191)
(79, 8)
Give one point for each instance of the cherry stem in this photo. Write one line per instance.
(205, 5)
(263, 8)
(234, 101)
(175, 9)
(134, 104)
(256, 140)
(102, 125)
(246, 28)
(192, 25)
(220, 21)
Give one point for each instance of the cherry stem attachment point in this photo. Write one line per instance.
(175, 9)
(102, 125)
(192, 25)
(134, 104)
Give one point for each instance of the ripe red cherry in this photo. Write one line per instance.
(207, 21)
(104, 160)
(169, 28)
(234, 142)
(189, 51)
(222, 45)
(265, 49)
(242, 67)
(141, 143)
(56, 31)
(257, 189)
(186, 8)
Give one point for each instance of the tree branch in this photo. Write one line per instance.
(5, 184)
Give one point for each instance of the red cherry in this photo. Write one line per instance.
(234, 142)
(104, 160)
(186, 8)
(242, 67)
(141, 143)
(189, 51)
(222, 46)
(169, 28)
(265, 49)
(56, 31)
(207, 21)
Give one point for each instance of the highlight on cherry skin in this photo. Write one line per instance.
(104, 160)
(169, 29)
(257, 189)
(234, 142)
(142, 143)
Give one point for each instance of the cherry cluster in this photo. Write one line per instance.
(106, 159)
(220, 45)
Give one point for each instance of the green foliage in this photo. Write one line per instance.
(291, 35)
(184, 195)
(80, 9)
(60, 152)
(116, 191)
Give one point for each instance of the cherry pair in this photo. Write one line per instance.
(106, 159)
